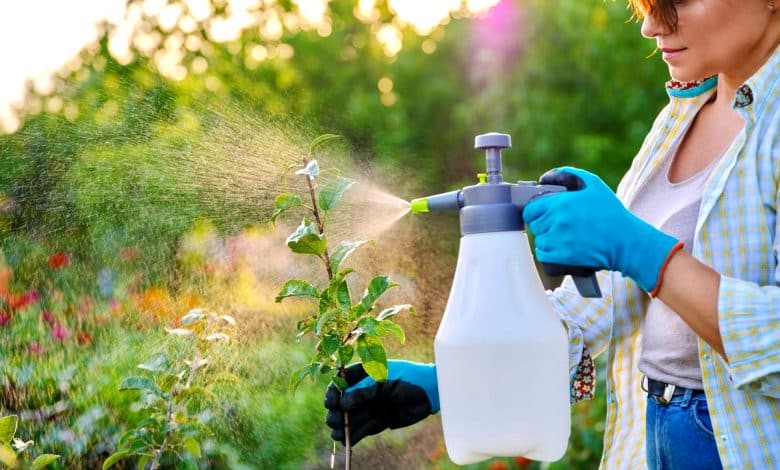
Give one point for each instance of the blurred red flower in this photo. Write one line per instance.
(35, 348)
(17, 301)
(522, 462)
(58, 260)
(498, 465)
(59, 332)
(5, 318)
(84, 338)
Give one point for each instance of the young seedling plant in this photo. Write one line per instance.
(13, 449)
(341, 328)
(171, 395)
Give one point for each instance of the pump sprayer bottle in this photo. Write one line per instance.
(501, 350)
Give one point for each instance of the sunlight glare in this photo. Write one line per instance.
(312, 11)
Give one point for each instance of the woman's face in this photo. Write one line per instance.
(712, 36)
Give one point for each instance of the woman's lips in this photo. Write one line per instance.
(669, 53)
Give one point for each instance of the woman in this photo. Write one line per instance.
(694, 367)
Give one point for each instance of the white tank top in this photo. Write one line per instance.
(670, 351)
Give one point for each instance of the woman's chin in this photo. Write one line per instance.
(680, 74)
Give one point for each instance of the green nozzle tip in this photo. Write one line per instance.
(420, 205)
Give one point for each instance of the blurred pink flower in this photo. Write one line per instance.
(35, 348)
(48, 317)
(5, 318)
(59, 332)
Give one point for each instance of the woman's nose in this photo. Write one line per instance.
(651, 27)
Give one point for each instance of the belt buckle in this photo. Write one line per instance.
(666, 397)
(668, 393)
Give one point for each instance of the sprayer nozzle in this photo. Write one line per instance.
(420, 205)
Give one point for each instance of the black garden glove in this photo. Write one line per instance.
(409, 395)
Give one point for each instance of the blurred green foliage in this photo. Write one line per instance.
(120, 154)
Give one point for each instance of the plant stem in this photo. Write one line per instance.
(326, 259)
(159, 453)
(320, 224)
(193, 369)
(347, 437)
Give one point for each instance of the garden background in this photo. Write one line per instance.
(141, 185)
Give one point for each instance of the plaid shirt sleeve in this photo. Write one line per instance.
(589, 326)
(749, 317)
(590, 322)
(749, 320)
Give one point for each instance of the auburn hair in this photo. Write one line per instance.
(663, 11)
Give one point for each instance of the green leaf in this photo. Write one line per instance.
(145, 459)
(114, 458)
(143, 445)
(345, 354)
(192, 446)
(180, 332)
(389, 312)
(8, 428)
(297, 288)
(139, 383)
(192, 392)
(312, 169)
(376, 288)
(332, 193)
(369, 325)
(307, 239)
(393, 328)
(342, 295)
(330, 344)
(373, 355)
(304, 327)
(343, 250)
(339, 382)
(8, 456)
(192, 316)
(158, 363)
(322, 139)
(337, 294)
(42, 461)
(323, 319)
(130, 435)
(283, 202)
(300, 374)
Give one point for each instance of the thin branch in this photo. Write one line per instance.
(326, 260)
(320, 222)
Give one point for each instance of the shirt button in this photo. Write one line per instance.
(707, 357)
(724, 438)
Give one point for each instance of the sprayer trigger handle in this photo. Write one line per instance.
(584, 277)
(587, 286)
(570, 181)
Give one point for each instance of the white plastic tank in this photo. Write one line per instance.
(501, 356)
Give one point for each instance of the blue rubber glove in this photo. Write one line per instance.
(591, 227)
(409, 395)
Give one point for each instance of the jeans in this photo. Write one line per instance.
(679, 435)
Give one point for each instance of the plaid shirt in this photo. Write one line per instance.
(735, 235)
